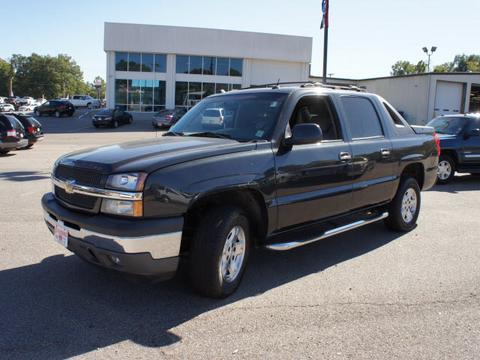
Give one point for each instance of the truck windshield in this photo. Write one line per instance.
(447, 125)
(242, 117)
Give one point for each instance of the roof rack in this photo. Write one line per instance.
(304, 84)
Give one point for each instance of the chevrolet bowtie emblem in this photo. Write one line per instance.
(69, 186)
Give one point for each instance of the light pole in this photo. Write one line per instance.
(432, 50)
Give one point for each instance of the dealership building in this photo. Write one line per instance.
(151, 67)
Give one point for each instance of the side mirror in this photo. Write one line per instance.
(474, 132)
(304, 134)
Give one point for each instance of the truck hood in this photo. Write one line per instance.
(151, 155)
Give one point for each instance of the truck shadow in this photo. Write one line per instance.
(62, 307)
(21, 176)
(459, 184)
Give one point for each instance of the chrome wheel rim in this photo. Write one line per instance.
(409, 205)
(233, 254)
(444, 170)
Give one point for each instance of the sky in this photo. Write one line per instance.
(365, 38)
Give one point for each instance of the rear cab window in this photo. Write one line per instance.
(399, 123)
(361, 118)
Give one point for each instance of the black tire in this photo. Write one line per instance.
(3, 152)
(207, 248)
(96, 126)
(130, 120)
(29, 146)
(115, 124)
(444, 162)
(57, 114)
(396, 220)
(38, 113)
(89, 106)
(70, 114)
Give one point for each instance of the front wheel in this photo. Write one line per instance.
(130, 120)
(38, 113)
(405, 207)
(219, 252)
(57, 114)
(115, 124)
(446, 169)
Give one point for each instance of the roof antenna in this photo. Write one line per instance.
(277, 85)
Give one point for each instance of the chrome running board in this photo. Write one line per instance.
(341, 229)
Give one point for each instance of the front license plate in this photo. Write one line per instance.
(60, 234)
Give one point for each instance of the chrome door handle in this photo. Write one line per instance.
(385, 152)
(345, 156)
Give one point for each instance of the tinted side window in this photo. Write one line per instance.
(361, 117)
(317, 110)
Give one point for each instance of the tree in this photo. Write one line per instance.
(47, 76)
(461, 63)
(404, 67)
(5, 71)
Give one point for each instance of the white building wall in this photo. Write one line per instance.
(268, 71)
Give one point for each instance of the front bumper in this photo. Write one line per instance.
(137, 246)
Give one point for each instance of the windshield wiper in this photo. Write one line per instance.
(173, 133)
(211, 134)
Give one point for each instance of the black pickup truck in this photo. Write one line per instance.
(276, 167)
(460, 143)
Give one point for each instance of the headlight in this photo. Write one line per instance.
(122, 207)
(129, 182)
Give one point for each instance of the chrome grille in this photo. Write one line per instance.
(77, 200)
(81, 176)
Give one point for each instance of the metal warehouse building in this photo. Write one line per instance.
(151, 67)
(421, 97)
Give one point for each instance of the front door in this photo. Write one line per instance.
(313, 180)
(471, 144)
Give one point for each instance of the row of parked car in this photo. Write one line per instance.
(18, 131)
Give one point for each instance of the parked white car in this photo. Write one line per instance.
(84, 101)
(28, 107)
(7, 107)
(213, 116)
(2, 99)
(26, 100)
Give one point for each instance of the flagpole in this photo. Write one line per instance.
(325, 23)
(325, 53)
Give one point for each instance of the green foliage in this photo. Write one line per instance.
(404, 67)
(461, 63)
(93, 90)
(44, 75)
(5, 73)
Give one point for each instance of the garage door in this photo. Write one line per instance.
(448, 98)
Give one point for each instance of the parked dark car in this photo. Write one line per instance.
(167, 118)
(55, 107)
(279, 168)
(12, 134)
(33, 128)
(460, 143)
(111, 117)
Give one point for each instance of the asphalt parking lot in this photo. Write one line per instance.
(367, 294)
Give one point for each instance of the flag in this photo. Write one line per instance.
(324, 23)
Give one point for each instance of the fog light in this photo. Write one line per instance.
(115, 259)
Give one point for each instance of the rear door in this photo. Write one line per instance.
(313, 180)
(372, 161)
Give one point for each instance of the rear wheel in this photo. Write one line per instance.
(115, 124)
(2, 152)
(405, 207)
(29, 146)
(130, 119)
(446, 169)
(219, 252)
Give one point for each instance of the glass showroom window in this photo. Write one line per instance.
(147, 62)
(134, 61)
(134, 94)
(160, 63)
(236, 67)
(159, 95)
(208, 89)
(181, 93)
(121, 91)
(222, 66)
(195, 64)
(182, 64)
(209, 65)
(221, 87)
(121, 61)
(146, 99)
